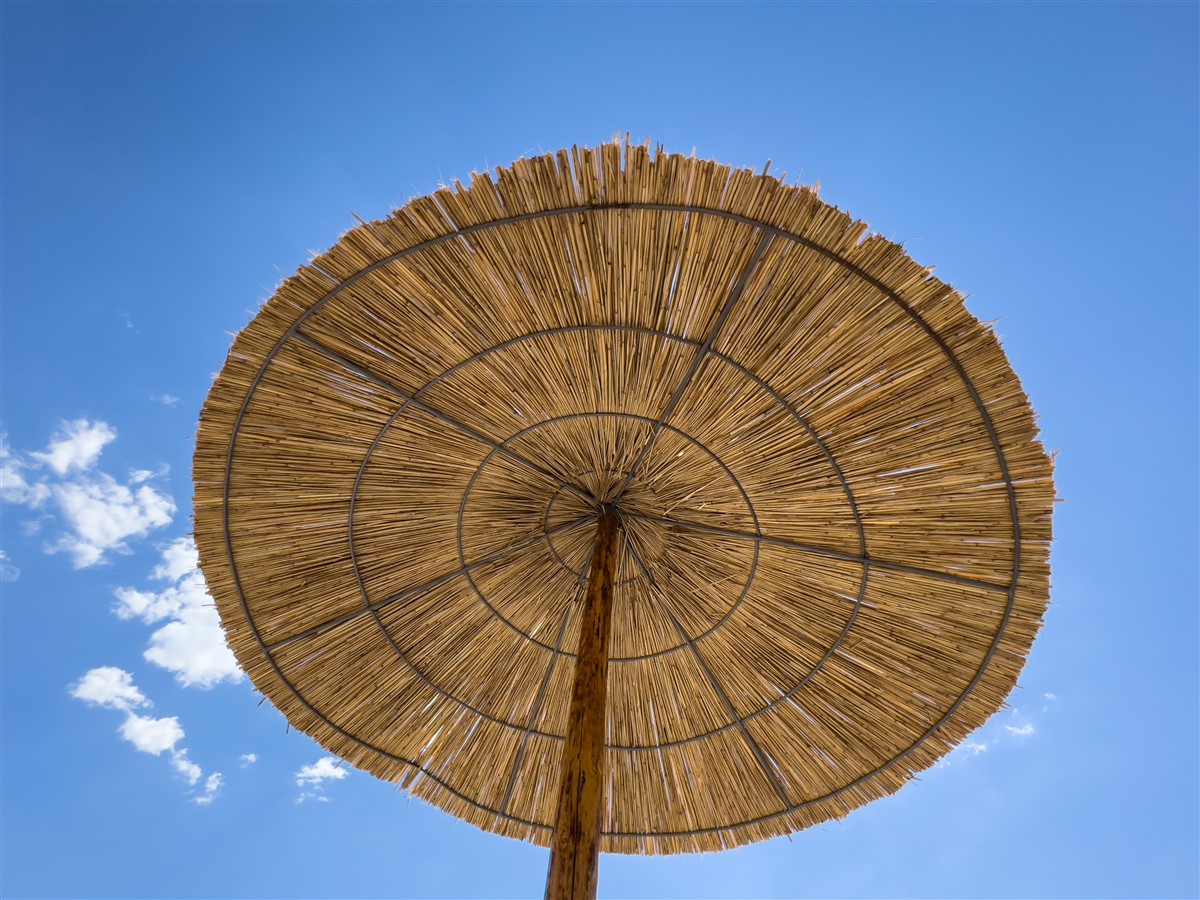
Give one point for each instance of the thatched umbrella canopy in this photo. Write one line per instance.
(834, 514)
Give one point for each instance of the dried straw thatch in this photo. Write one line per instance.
(836, 513)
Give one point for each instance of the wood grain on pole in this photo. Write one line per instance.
(575, 850)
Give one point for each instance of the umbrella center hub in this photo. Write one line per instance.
(688, 546)
(677, 488)
(569, 524)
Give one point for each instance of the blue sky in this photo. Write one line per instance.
(164, 165)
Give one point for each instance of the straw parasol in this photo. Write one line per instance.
(629, 493)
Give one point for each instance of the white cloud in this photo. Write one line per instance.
(103, 514)
(76, 445)
(14, 488)
(323, 769)
(248, 759)
(8, 572)
(312, 779)
(189, 770)
(113, 688)
(965, 750)
(192, 773)
(212, 785)
(109, 687)
(188, 590)
(997, 736)
(149, 606)
(191, 645)
(151, 735)
(193, 648)
(100, 513)
(179, 559)
(165, 399)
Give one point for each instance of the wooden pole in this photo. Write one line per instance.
(575, 850)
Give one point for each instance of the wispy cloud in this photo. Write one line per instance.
(112, 688)
(99, 513)
(191, 645)
(248, 759)
(14, 486)
(8, 572)
(165, 399)
(311, 779)
(996, 734)
(189, 770)
(965, 750)
(212, 786)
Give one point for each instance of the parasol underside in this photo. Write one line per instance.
(836, 514)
